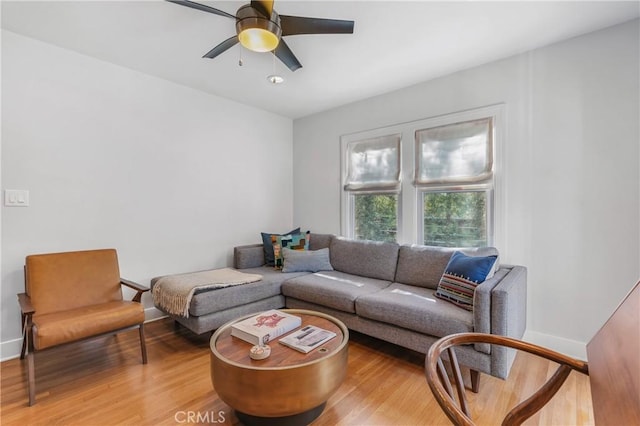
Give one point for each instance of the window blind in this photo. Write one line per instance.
(374, 164)
(460, 152)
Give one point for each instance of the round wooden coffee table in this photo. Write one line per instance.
(288, 387)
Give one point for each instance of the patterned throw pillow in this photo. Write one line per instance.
(461, 277)
(293, 242)
(267, 245)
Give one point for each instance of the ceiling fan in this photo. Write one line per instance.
(260, 28)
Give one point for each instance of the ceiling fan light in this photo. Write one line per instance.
(255, 32)
(258, 39)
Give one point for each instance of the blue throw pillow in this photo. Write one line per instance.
(461, 277)
(267, 245)
(306, 261)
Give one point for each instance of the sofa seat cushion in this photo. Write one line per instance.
(333, 289)
(415, 308)
(207, 301)
(55, 328)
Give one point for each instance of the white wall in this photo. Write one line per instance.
(171, 177)
(570, 176)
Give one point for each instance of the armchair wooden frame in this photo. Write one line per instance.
(27, 311)
(458, 412)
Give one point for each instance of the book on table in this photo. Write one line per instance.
(307, 338)
(260, 329)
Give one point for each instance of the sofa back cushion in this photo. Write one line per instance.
(248, 256)
(423, 266)
(373, 259)
(319, 241)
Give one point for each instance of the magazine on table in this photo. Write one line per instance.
(264, 327)
(307, 338)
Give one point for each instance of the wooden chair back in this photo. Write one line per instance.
(613, 369)
(458, 411)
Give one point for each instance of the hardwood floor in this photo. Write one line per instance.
(103, 382)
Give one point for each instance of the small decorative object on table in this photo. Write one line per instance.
(260, 352)
(260, 329)
(307, 338)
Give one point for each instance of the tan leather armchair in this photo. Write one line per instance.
(73, 296)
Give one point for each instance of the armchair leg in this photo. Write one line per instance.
(31, 379)
(23, 351)
(143, 346)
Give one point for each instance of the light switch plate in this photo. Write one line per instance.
(16, 197)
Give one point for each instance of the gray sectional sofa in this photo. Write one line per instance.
(380, 289)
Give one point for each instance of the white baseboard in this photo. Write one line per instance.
(11, 348)
(569, 347)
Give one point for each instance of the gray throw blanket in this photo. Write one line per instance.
(173, 293)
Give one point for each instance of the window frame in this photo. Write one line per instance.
(410, 221)
(347, 197)
(483, 183)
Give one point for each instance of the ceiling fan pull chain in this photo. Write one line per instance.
(274, 78)
(240, 63)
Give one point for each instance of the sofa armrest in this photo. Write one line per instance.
(489, 315)
(508, 317)
(248, 256)
(509, 304)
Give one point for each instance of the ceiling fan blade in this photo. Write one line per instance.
(286, 56)
(263, 6)
(222, 47)
(293, 25)
(201, 7)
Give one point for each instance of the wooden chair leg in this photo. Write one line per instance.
(31, 378)
(143, 346)
(475, 380)
(23, 351)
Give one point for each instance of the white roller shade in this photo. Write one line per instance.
(460, 152)
(373, 164)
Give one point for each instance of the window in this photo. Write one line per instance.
(433, 181)
(455, 218)
(372, 185)
(454, 177)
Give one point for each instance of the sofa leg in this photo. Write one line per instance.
(475, 380)
(143, 346)
(31, 378)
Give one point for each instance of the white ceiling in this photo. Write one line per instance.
(395, 44)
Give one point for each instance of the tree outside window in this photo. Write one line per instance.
(455, 219)
(376, 217)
